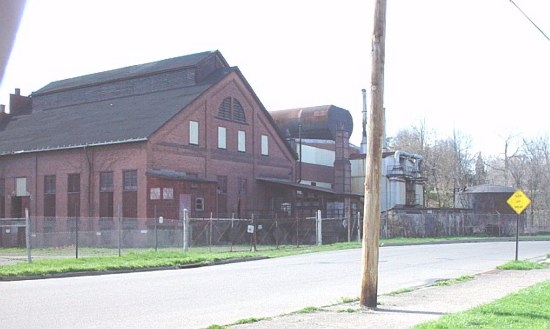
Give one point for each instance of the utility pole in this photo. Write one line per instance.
(371, 226)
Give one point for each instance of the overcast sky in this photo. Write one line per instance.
(475, 66)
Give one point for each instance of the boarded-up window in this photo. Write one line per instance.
(129, 204)
(265, 145)
(49, 196)
(106, 187)
(241, 141)
(129, 194)
(21, 186)
(73, 195)
(106, 204)
(221, 138)
(193, 132)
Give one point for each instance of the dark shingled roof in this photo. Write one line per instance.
(125, 119)
(126, 72)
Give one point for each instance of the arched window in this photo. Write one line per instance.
(224, 111)
(231, 109)
(238, 112)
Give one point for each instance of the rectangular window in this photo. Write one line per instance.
(241, 141)
(221, 138)
(193, 132)
(199, 204)
(222, 184)
(49, 184)
(168, 193)
(49, 196)
(73, 185)
(154, 193)
(73, 197)
(242, 185)
(129, 194)
(265, 145)
(106, 181)
(130, 180)
(21, 186)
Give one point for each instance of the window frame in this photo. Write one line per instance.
(193, 132)
(241, 141)
(129, 180)
(222, 138)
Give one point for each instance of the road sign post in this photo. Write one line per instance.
(518, 201)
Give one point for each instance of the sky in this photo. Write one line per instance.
(478, 68)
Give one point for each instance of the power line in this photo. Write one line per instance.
(530, 20)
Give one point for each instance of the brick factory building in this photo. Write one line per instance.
(144, 141)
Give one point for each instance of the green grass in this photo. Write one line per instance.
(400, 291)
(249, 320)
(150, 259)
(528, 308)
(347, 300)
(449, 282)
(523, 265)
(59, 260)
(309, 309)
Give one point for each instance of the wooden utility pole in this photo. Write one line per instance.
(371, 226)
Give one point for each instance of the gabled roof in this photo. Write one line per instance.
(176, 63)
(120, 120)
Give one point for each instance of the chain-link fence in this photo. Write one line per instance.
(81, 237)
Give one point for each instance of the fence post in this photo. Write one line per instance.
(276, 232)
(231, 232)
(119, 242)
(358, 226)
(156, 232)
(209, 234)
(254, 234)
(28, 234)
(319, 225)
(297, 232)
(185, 230)
(76, 235)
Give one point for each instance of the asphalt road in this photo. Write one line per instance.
(197, 298)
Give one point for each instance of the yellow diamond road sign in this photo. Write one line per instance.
(518, 201)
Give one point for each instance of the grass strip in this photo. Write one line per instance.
(528, 308)
(522, 265)
(151, 259)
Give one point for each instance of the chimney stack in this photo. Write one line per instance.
(20, 104)
(3, 115)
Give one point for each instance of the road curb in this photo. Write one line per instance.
(136, 270)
